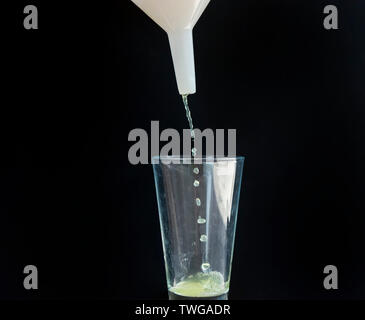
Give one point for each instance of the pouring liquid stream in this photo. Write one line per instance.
(190, 120)
(205, 266)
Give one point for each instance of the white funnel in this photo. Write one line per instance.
(178, 18)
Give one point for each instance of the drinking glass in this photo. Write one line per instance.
(198, 202)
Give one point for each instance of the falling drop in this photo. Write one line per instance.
(201, 220)
(196, 170)
(198, 202)
(203, 238)
(205, 266)
(193, 152)
(196, 183)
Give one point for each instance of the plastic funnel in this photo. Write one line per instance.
(178, 18)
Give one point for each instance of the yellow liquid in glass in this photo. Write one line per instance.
(207, 284)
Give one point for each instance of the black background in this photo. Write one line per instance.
(71, 203)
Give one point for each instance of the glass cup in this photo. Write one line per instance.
(198, 203)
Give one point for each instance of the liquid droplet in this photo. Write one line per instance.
(196, 183)
(203, 238)
(201, 220)
(193, 152)
(196, 170)
(198, 202)
(205, 266)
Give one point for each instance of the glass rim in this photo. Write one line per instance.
(203, 158)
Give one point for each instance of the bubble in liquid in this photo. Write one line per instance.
(205, 266)
(196, 170)
(201, 220)
(203, 238)
(196, 183)
(193, 152)
(198, 202)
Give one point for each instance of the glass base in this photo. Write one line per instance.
(174, 296)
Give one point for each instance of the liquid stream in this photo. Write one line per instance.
(205, 266)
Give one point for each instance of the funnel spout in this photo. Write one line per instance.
(182, 51)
